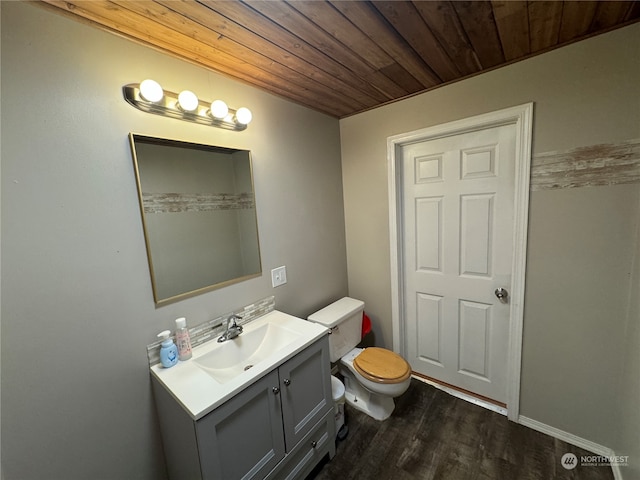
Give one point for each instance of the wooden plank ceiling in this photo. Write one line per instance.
(345, 57)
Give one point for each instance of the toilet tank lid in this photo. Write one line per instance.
(333, 314)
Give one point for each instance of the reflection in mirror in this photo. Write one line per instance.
(199, 216)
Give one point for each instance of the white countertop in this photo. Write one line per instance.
(199, 393)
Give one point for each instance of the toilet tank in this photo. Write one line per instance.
(344, 318)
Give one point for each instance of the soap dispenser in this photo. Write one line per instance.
(168, 351)
(182, 339)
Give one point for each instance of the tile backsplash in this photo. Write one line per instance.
(212, 329)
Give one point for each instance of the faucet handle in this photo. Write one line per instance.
(231, 321)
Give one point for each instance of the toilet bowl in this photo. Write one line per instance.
(373, 376)
(372, 382)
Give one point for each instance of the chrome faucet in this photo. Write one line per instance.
(233, 329)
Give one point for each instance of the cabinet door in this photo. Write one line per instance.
(243, 438)
(306, 391)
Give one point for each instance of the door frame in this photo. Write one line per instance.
(522, 117)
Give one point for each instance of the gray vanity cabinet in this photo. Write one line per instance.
(277, 428)
(305, 387)
(243, 438)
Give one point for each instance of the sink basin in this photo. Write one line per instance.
(218, 371)
(233, 357)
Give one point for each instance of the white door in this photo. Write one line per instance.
(458, 217)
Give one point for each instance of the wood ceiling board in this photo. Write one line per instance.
(364, 74)
(477, 20)
(609, 14)
(137, 27)
(316, 64)
(327, 17)
(375, 27)
(576, 19)
(403, 78)
(404, 17)
(512, 19)
(544, 24)
(214, 29)
(345, 57)
(443, 21)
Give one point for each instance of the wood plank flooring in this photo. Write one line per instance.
(433, 435)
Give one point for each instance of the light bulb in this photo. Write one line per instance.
(187, 101)
(243, 115)
(151, 90)
(219, 109)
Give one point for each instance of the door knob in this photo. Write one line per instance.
(287, 382)
(276, 390)
(502, 294)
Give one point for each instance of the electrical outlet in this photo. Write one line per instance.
(278, 276)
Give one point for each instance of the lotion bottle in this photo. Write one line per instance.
(182, 339)
(168, 350)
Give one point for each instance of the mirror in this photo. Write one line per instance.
(199, 216)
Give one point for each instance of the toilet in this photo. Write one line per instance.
(373, 376)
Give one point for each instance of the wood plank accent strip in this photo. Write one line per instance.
(595, 165)
(195, 202)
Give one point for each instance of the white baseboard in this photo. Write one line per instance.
(573, 440)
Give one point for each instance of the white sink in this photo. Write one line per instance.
(218, 371)
(233, 357)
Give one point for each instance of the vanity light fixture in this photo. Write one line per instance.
(151, 90)
(188, 101)
(149, 97)
(219, 109)
(243, 116)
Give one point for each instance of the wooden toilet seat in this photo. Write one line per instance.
(382, 366)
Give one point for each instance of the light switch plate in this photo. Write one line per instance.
(278, 276)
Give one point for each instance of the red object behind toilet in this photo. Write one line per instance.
(366, 324)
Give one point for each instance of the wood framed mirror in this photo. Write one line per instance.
(198, 213)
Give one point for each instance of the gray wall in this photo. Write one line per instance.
(628, 407)
(77, 309)
(581, 240)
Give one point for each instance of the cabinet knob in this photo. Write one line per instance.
(287, 382)
(314, 444)
(275, 390)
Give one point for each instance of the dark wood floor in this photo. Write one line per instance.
(433, 435)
